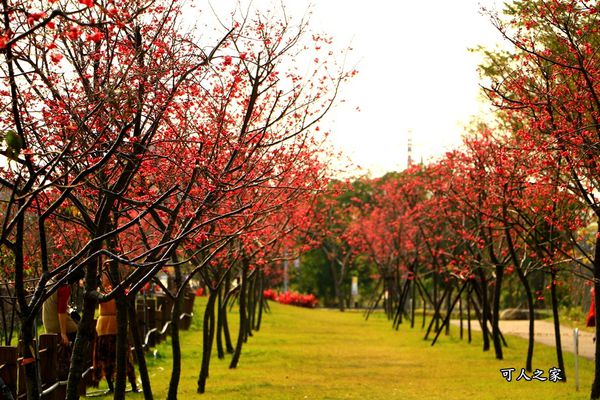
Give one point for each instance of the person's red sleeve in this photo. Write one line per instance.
(64, 292)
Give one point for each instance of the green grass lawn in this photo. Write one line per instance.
(324, 354)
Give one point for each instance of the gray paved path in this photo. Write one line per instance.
(544, 333)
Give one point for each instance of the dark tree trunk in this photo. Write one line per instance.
(401, 304)
(424, 311)
(242, 303)
(250, 296)
(435, 299)
(529, 295)
(436, 314)
(484, 309)
(261, 297)
(336, 283)
(223, 313)
(460, 316)
(85, 336)
(208, 333)
(413, 302)
(469, 313)
(399, 293)
(595, 393)
(559, 354)
(139, 350)
(425, 298)
(31, 369)
(478, 313)
(375, 299)
(397, 318)
(175, 343)
(446, 321)
(32, 381)
(121, 349)
(449, 306)
(121, 356)
(523, 278)
(220, 349)
(85, 331)
(496, 312)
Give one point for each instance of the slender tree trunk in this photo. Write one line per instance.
(121, 356)
(559, 354)
(460, 315)
(256, 294)
(85, 331)
(449, 306)
(242, 303)
(32, 382)
(529, 296)
(425, 298)
(413, 301)
(220, 349)
(175, 343)
(436, 314)
(139, 350)
(446, 321)
(401, 304)
(478, 312)
(424, 309)
(121, 345)
(251, 295)
(261, 303)
(393, 294)
(435, 299)
(226, 333)
(336, 283)
(397, 318)
(469, 312)
(496, 312)
(595, 393)
(208, 330)
(374, 301)
(484, 310)
(85, 336)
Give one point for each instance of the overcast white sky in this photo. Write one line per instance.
(415, 73)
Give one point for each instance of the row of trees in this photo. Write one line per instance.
(519, 198)
(129, 145)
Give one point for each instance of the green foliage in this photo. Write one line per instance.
(573, 316)
(14, 143)
(314, 277)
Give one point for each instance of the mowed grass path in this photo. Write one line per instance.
(326, 354)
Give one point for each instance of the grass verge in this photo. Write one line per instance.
(324, 354)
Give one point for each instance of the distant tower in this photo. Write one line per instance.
(409, 160)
